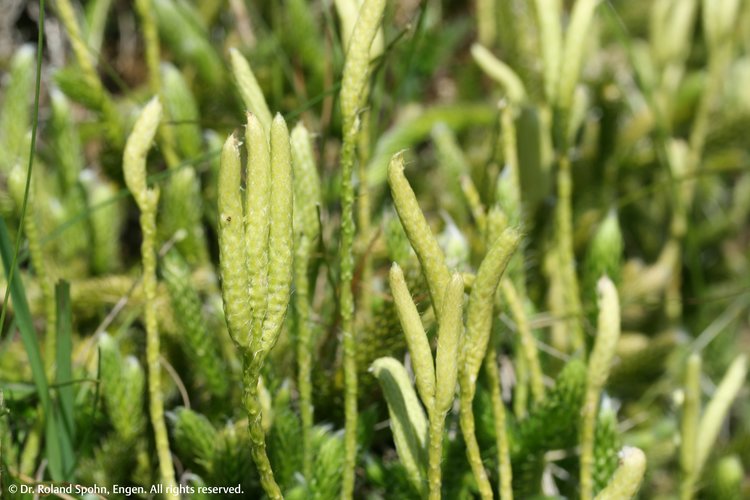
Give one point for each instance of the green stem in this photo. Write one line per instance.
(346, 258)
(501, 434)
(255, 421)
(600, 363)
(353, 96)
(691, 408)
(525, 338)
(45, 284)
(156, 399)
(434, 472)
(364, 212)
(685, 192)
(151, 40)
(521, 390)
(470, 438)
(564, 219)
(105, 105)
(304, 360)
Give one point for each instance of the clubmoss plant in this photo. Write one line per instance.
(151, 40)
(123, 383)
(105, 223)
(17, 185)
(147, 199)
(478, 326)
(607, 445)
(504, 469)
(307, 201)
(608, 332)
(354, 92)
(479, 317)
(256, 248)
(196, 338)
(409, 424)
(590, 138)
(420, 236)
(100, 99)
(435, 378)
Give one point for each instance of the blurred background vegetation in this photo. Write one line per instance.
(660, 156)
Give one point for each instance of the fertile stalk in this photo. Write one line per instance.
(600, 362)
(147, 199)
(306, 202)
(255, 249)
(353, 97)
(478, 327)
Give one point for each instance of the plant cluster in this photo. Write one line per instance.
(502, 252)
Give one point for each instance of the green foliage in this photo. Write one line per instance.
(408, 421)
(180, 29)
(607, 444)
(512, 152)
(552, 424)
(283, 444)
(198, 342)
(195, 438)
(15, 117)
(183, 215)
(122, 386)
(232, 461)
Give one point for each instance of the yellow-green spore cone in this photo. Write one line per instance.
(250, 91)
(280, 238)
(257, 220)
(420, 236)
(718, 408)
(416, 338)
(481, 302)
(234, 283)
(628, 476)
(448, 345)
(408, 422)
